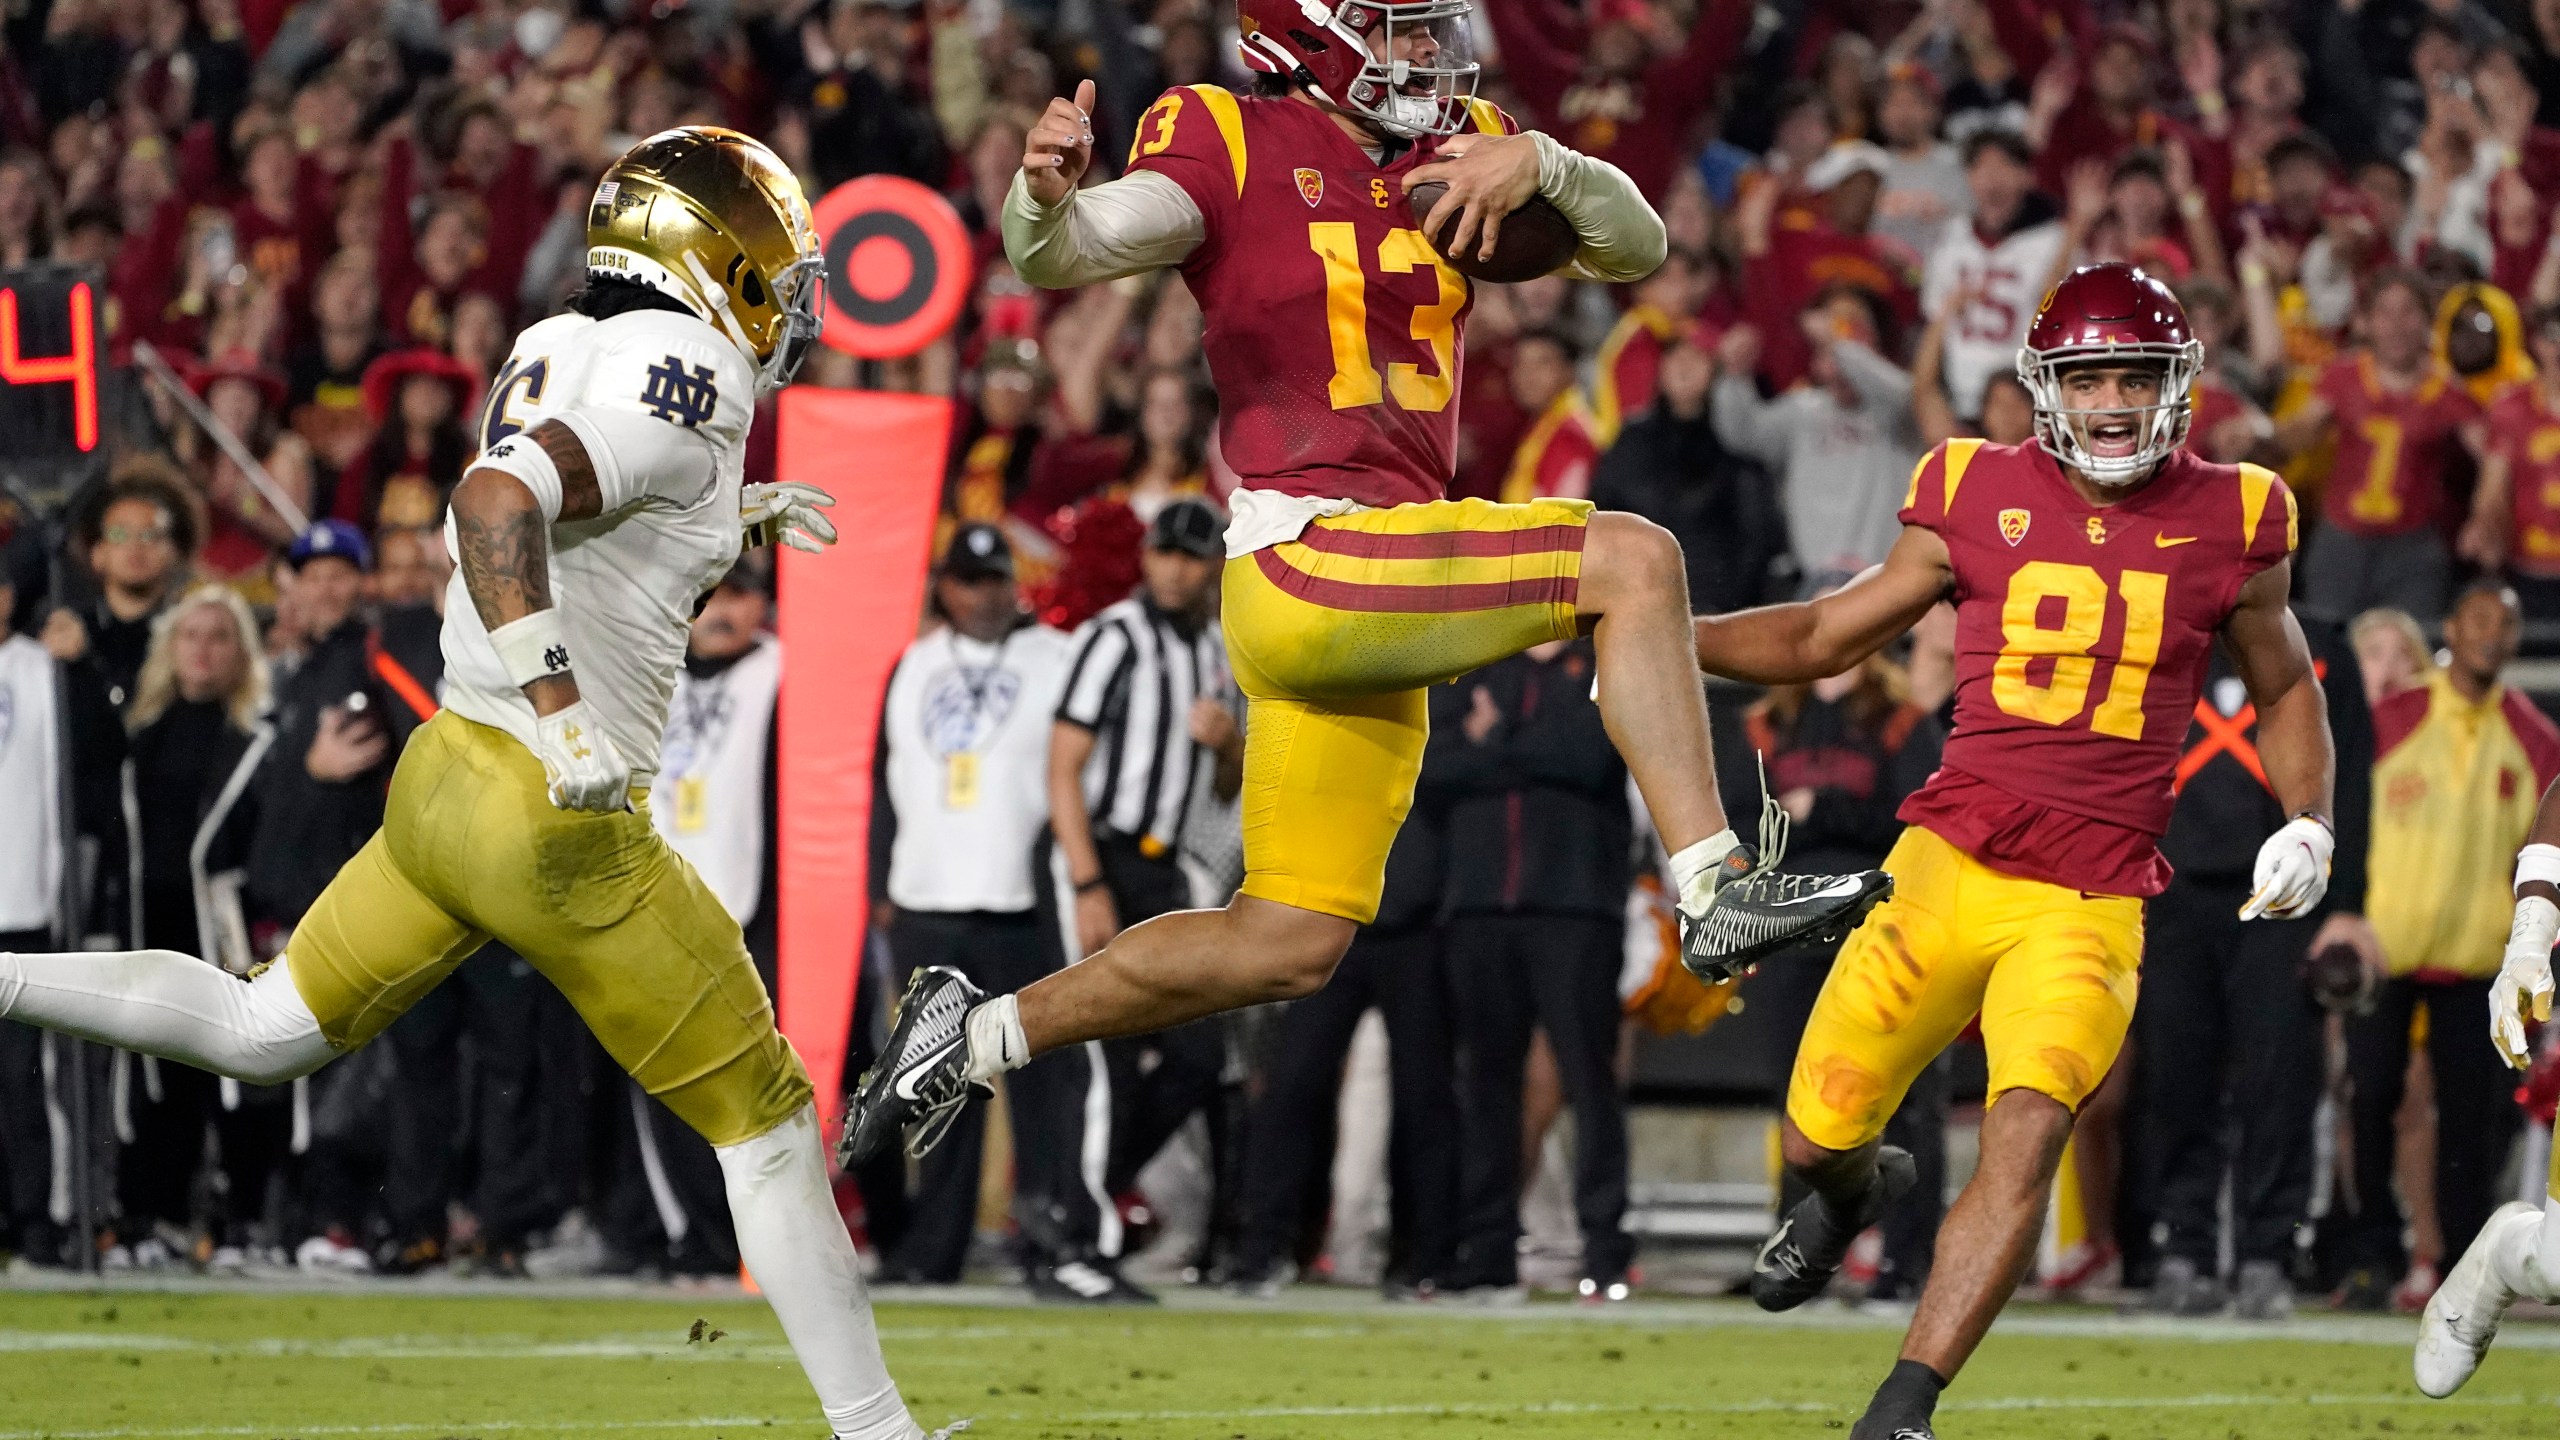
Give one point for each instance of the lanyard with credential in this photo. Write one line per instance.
(960, 767)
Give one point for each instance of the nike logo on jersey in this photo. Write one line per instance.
(905, 1085)
(2163, 542)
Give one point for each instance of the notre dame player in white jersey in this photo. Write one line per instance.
(606, 501)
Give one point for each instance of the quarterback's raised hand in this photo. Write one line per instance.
(788, 512)
(585, 771)
(1060, 147)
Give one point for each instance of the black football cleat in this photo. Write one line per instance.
(1797, 1261)
(921, 1082)
(1754, 912)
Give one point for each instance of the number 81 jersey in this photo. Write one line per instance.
(2082, 638)
(1331, 326)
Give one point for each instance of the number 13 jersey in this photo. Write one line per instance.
(1331, 326)
(2082, 636)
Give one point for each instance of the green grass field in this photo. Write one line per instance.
(113, 1364)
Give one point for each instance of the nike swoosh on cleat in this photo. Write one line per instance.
(1839, 889)
(904, 1086)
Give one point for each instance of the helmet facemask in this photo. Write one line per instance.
(1404, 97)
(2077, 437)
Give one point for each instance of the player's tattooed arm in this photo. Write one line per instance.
(2274, 660)
(505, 544)
(1792, 644)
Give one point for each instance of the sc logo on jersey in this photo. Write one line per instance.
(679, 397)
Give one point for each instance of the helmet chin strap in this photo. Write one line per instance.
(722, 317)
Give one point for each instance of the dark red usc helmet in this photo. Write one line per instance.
(2110, 313)
(1407, 65)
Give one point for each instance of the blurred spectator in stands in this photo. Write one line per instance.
(27, 208)
(864, 115)
(281, 226)
(2077, 118)
(1625, 84)
(419, 402)
(320, 791)
(2263, 102)
(1924, 181)
(2461, 762)
(1662, 307)
(324, 378)
(1558, 450)
(1539, 862)
(37, 845)
(2516, 519)
(998, 438)
(1991, 268)
(1843, 753)
(246, 398)
(1988, 93)
(2401, 419)
(2228, 1052)
(199, 737)
(2156, 217)
(139, 539)
(1842, 447)
(1669, 467)
(2228, 424)
(2479, 335)
(1790, 259)
(2392, 654)
(1396, 965)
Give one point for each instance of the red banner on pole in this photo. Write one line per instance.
(846, 616)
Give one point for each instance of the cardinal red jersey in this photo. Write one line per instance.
(2393, 446)
(1331, 326)
(2082, 634)
(2523, 428)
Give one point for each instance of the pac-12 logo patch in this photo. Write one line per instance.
(1311, 186)
(2013, 525)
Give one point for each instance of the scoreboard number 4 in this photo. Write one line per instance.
(2057, 700)
(76, 367)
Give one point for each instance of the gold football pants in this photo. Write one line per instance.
(471, 849)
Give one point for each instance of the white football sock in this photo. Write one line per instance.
(1694, 867)
(996, 1042)
(2536, 1261)
(796, 1247)
(175, 1006)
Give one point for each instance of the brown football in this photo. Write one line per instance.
(1535, 239)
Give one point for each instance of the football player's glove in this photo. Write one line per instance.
(787, 513)
(2523, 986)
(2293, 870)
(585, 770)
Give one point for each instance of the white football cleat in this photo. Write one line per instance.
(2463, 1316)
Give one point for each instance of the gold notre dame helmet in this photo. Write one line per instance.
(712, 218)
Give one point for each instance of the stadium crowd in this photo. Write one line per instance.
(333, 216)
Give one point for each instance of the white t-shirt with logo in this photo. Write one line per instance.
(967, 727)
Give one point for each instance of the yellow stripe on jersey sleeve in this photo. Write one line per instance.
(2256, 484)
(1487, 116)
(1221, 105)
(1960, 455)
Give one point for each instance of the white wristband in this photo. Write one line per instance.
(533, 648)
(2538, 862)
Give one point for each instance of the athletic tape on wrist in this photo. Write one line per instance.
(2537, 925)
(533, 648)
(2538, 862)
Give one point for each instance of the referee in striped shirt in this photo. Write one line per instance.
(1148, 721)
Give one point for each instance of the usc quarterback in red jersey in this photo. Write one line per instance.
(2092, 569)
(1334, 335)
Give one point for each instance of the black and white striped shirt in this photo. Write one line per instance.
(1132, 684)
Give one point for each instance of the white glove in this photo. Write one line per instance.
(788, 513)
(2293, 871)
(586, 772)
(2524, 980)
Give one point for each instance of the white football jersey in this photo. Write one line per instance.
(663, 402)
(2009, 280)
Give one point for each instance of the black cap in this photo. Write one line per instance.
(753, 573)
(1190, 526)
(978, 552)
